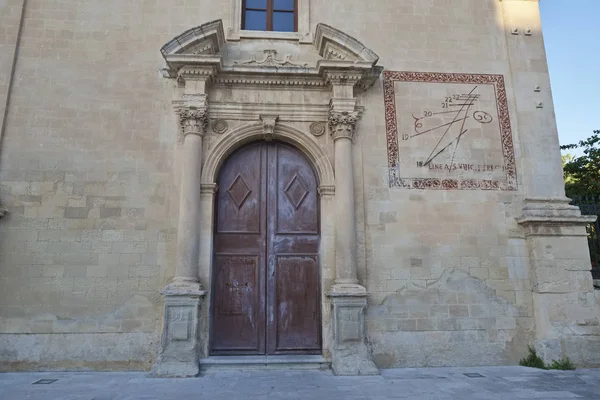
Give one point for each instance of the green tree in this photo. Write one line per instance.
(582, 173)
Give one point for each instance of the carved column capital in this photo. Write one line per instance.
(193, 120)
(269, 122)
(342, 124)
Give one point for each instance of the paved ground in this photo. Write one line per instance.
(435, 383)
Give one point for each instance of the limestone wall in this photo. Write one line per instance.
(89, 173)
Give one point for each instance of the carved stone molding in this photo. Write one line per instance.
(270, 60)
(193, 120)
(343, 77)
(209, 188)
(269, 122)
(342, 124)
(326, 190)
(317, 128)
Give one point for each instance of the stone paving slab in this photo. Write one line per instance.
(490, 383)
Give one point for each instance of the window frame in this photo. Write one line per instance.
(270, 13)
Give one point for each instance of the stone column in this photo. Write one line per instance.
(193, 123)
(180, 346)
(564, 304)
(350, 354)
(342, 129)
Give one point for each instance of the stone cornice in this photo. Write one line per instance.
(197, 52)
(541, 215)
(343, 77)
(263, 79)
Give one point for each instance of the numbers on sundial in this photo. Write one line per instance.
(456, 110)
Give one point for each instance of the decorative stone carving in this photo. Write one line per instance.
(3, 212)
(271, 61)
(207, 48)
(178, 355)
(344, 77)
(317, 128)
(269, 122)
(326, 190)
(351, 356)
(344, 66)
(220, 126)
(193, 120)
(342, 124)
(333, 53)
(209, 188)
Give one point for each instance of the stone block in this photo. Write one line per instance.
(110, 212)
(76, 212)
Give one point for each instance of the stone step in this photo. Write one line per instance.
(289, 362)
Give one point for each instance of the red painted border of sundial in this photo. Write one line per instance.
(506, 138)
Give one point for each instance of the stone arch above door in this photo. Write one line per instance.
(251, 132)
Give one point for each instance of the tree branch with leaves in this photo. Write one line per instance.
(582, 173)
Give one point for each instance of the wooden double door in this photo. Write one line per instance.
(265, 288)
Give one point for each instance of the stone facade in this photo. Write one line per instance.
(446, 238)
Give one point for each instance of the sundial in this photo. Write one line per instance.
(448, 131)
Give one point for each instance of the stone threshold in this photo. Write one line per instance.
(264, 362)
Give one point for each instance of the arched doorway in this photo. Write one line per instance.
(266, 292)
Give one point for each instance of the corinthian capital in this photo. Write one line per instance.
(342, 124)
(193, 120)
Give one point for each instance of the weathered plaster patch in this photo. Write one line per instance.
(454, 320)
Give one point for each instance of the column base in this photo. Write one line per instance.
(178, 355)
(350, 355)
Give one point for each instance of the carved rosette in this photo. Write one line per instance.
(342, 124)
(193, 120)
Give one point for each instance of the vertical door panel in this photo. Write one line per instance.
(238, 291)
(297, 304)
(236, 304)
(293, 292)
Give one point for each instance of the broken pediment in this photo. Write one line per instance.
(332, 50)
(206, 39)
(333, 44)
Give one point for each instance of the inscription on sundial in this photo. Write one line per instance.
(448, 131)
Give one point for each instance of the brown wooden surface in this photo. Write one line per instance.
(266, 290)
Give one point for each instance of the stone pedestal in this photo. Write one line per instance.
(179, 350)
(565, 309)
(350, 354)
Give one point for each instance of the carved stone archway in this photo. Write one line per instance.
(252, 132)
(340, 68)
